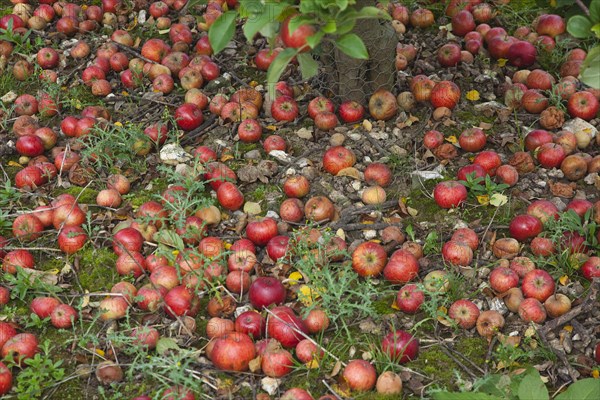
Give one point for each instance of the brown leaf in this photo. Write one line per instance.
(350, 172)
(267, 167)
(255, 364)
(248, 173)
(563, 189)
(336, 369)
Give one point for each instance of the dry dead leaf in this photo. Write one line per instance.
(304, 133)
(255, 364)
(367, 125)
(252, 208)
(350, 172)
(337, 367)
(566, 190)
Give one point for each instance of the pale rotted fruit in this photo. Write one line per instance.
(489, 323)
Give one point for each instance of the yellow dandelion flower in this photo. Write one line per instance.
(472, 95)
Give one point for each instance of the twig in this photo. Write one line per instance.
(589, 303)
(464, 358)
(583, 7)
(488, 356)
(337, 396)
(360, 226)
(304, 335)
(32, 248)
(457, 361)
(376, 143)
(586, 305)
(134, 52)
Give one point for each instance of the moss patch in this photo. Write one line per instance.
(83, 195)
(97, 269)
(139, 197)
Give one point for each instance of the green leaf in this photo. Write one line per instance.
(170, 238)
(463, 396)
(352, 45)
(579, 26)
(270, 31)
(308, 66)
(314, 40)
(298, 21)
(590, 73)
(330, 27)
(596, 30)
(585, 389)
(372, 12)
(278, 66)
(595, 11)
(532, 387)
(308, 7)
(498, 199)
(165, 344)
(254, 24)
(222, 30)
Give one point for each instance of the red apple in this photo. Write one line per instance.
(369, 259)
(524, 227)
(532, 310)
(401, 267)
(276, 362)
(591, 268)
(188, 116)
(464, 313)
(400, 346)
(463, 23)
(351, 112)
(522, 54)
(233, 352)
(63, 316)
(502, 279)
(457, 253)
(360, 375)
(283, 325)
(449, 194)
(538, 284)
(284, 108)
(489, 160)
(472, 140)
(410, 298)
(551, 25)
(449, 55)
(583, 105)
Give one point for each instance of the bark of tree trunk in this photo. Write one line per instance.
(352, 79)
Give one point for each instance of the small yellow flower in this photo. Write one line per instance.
(472, 95)
(118, 124)
(595, 374)
(502, 62)
(295, 277)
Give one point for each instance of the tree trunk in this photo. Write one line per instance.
(350, 79)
